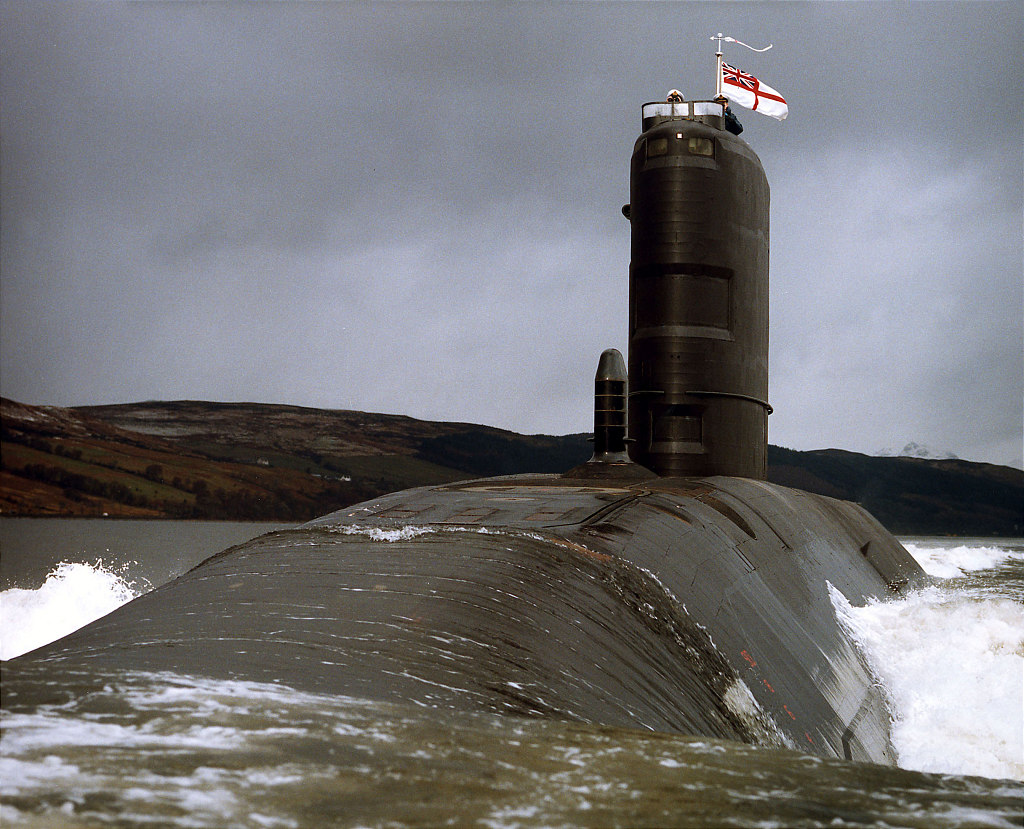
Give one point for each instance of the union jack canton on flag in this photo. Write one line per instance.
(747, 91)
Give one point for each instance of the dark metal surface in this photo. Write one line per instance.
(662, 604)
(610, 396)
(698, 307)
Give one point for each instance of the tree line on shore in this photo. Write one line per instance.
(183, 497)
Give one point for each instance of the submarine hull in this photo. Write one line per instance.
(697, 606)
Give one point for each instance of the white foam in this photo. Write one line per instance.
(952, 562)
(382, 534)
(51, 729)
(17, 773)
(408, 532)
(741, 702)
(952, 663)
(73, 595)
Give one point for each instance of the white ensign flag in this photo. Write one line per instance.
(747, 91)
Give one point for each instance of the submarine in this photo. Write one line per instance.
(663, 585)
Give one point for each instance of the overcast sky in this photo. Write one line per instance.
(415, 208)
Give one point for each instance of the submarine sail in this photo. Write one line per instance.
(674, 590)
(698, 295)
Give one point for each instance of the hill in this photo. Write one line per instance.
(911, 496)
(242, 461)
(247, 461)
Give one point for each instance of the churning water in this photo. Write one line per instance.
(153, 749)
(73, 594)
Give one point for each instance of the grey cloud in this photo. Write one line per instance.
(415, 207)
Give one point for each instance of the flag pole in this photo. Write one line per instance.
(719, 97)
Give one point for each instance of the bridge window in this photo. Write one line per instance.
(657, 146)
(701, 146)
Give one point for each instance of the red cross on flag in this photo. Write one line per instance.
(747, 91)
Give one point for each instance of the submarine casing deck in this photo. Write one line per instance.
(648, 604)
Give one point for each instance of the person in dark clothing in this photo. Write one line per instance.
(732, 123)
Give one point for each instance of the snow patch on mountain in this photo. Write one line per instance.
(917, 450)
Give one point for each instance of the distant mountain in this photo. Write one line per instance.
(911, 496)
(249, 461)
(917, 450)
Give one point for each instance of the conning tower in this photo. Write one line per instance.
(698, 295)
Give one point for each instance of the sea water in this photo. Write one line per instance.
(57, 575)
(170, 750)
(951, 659)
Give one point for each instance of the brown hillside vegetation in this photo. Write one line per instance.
(248, 461)
(234, 461)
